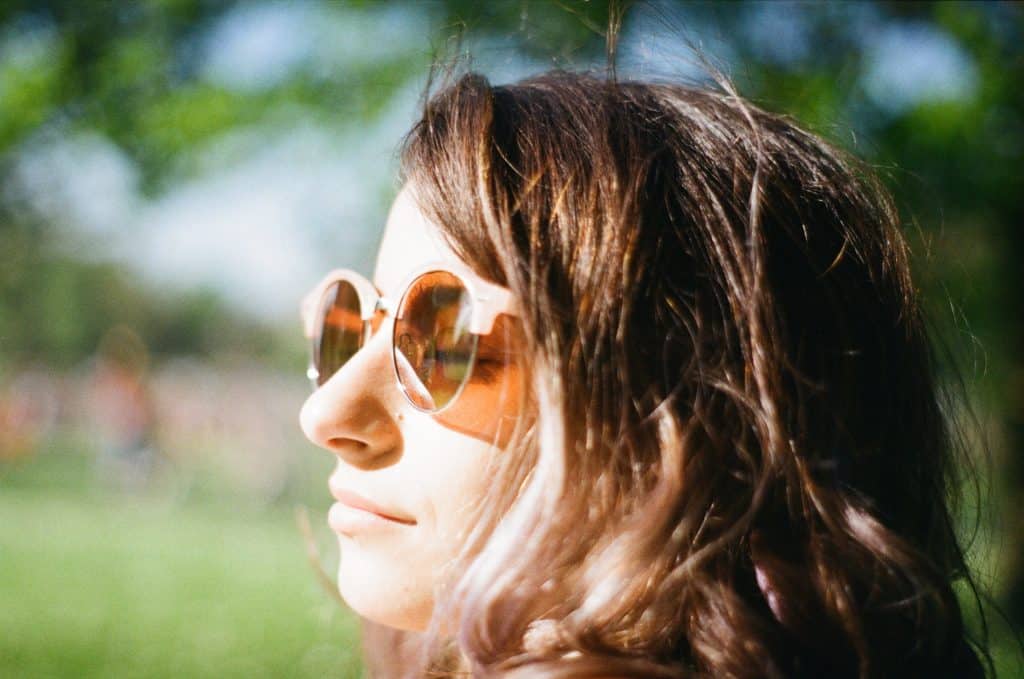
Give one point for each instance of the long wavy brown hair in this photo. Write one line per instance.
(737, 461)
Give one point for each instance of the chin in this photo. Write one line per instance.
(395, 594)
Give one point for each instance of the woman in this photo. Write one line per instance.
(648, 394)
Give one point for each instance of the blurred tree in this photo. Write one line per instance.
(132, 73)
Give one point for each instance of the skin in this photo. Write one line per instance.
(428, 469)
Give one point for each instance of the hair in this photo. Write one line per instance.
(736, 462)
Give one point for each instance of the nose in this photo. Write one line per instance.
(353, 413)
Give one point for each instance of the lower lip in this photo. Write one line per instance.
(346, 519)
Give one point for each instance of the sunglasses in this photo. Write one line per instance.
(440, 315)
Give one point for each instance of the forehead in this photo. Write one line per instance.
(410, 241)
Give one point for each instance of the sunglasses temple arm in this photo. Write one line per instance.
(495, 301)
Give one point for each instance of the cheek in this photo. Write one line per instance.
(452, 471)
(389, 576)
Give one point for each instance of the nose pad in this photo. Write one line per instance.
(353, 413)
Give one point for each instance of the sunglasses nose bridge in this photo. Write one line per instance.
(383, 305)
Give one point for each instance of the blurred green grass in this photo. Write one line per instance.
(95, 584)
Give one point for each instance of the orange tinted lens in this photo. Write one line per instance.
(433, 347)
(339, 334)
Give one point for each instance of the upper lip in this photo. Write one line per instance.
(354, 499)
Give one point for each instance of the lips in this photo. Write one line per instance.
(357, 501)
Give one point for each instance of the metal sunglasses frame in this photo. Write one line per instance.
(488, 301)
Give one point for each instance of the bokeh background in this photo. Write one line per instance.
(174, 174)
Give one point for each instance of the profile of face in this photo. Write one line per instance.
(422, 471)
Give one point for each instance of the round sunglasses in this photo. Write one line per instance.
(440, 314)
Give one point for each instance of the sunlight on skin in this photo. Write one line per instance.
(429, 469)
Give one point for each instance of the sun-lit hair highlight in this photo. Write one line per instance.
(734, 460)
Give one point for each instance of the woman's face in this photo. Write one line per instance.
(424, 470)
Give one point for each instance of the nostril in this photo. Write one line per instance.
(365, 455)
(347, 445)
